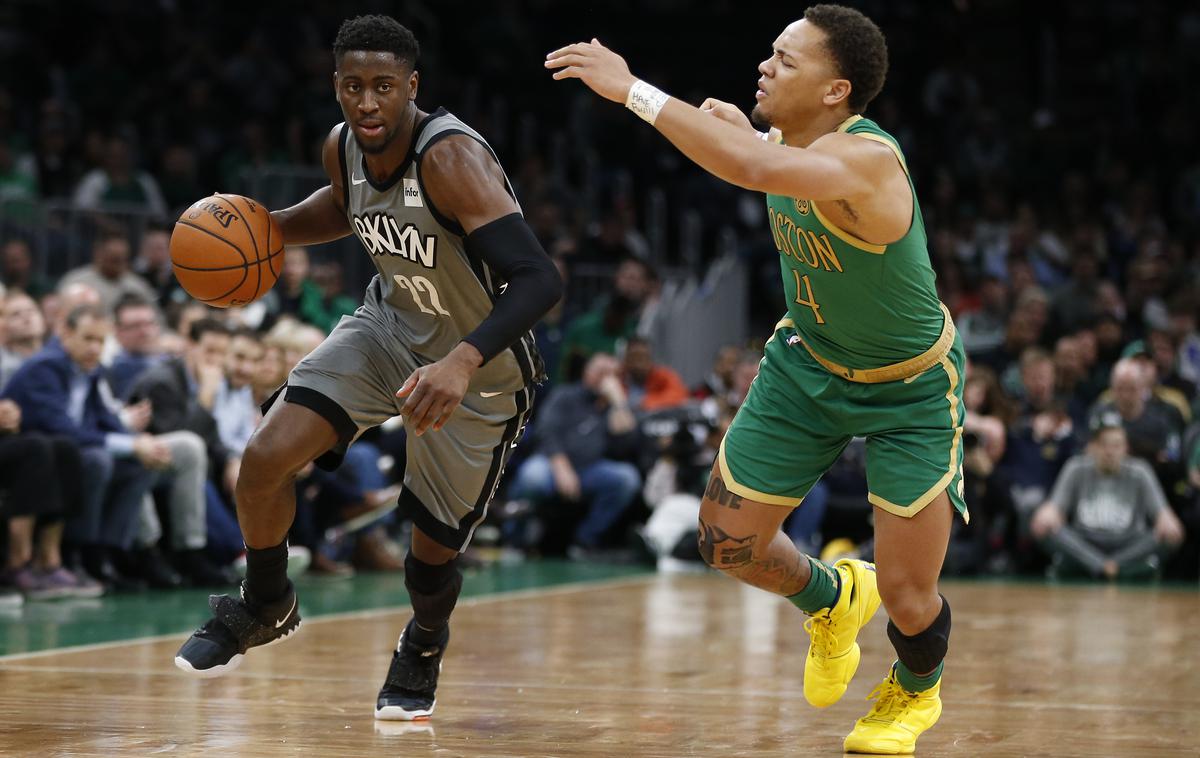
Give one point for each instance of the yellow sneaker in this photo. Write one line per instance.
(896, 720)
(833, 654)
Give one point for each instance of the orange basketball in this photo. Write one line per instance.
(226, 250)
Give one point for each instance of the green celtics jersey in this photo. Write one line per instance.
(853, 303)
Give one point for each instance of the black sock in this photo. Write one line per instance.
(433, 590)
(266, 572)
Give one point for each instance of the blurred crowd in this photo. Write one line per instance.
(1061, 196)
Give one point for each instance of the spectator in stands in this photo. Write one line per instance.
(1107, 516)
(720, 377)
(299, 296)
(153, 264)
(109, 272)
(119, 182)
(1181, 312)
(1073, 306)
(138, 331)
(983, 330)
(612, 320)
(61, 391)
(332, 303)
(1154, 428)
(579, 429)
(182, 394)
(16, 269)
(40, 477)
(1162, 354)
(234, 408)
(650, 386)
(24, 332)
(1039, 443)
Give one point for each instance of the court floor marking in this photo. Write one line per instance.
(491, 597)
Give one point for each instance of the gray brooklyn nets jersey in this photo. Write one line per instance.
(429, 292)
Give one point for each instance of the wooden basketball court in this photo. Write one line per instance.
(659, 666)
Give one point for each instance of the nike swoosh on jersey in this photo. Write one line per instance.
(356, 180)
(490, 394)
(283, 620)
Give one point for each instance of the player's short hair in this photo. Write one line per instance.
(858, 48)
(377, 33)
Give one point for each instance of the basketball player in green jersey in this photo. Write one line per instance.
(865, 349)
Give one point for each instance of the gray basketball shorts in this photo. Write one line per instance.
(451, 474)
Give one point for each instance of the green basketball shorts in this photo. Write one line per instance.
(798, 417)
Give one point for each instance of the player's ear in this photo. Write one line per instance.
(414, 80)
(839, 90)
(335, 84)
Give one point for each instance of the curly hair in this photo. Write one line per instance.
(377, 33)
(858, 48)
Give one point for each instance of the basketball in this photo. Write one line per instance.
(226, 250)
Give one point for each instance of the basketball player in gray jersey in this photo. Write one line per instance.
(442, 338)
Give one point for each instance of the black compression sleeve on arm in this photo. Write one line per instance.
(508, 247)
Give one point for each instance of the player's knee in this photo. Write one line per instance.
(267, 465)
(910, 604)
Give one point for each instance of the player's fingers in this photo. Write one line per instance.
(445, 415)
(567, 73)
(419, 418)
(409, 385)
(572, 59)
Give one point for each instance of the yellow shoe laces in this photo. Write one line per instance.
(891, 701)
(819, 628)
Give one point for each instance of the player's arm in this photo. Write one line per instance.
(834, 167)
(464, 183)
(321, 217)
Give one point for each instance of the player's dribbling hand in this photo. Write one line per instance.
(596, 66)
(727, 112)
(434, 391)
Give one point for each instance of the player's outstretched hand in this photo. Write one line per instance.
(597, 66)
(433, 392)
(726, 112)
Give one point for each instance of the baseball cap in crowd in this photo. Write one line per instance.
(1105, 420)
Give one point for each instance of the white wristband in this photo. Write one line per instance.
(646, 100)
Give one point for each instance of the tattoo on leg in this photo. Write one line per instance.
(720, 494)
(719, 548)
(775, 571)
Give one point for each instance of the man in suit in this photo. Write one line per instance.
(61, 391)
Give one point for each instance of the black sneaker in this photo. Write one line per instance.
(238, 624)
(409, 692)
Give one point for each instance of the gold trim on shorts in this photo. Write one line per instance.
(940, 486)
(902, 370)
(750, 493)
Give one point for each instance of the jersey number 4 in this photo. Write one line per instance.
(418, 285)
(802, 283)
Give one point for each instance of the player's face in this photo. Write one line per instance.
(796, 80)
(375, 91)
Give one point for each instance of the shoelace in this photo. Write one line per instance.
(822, 635)
(891, 701)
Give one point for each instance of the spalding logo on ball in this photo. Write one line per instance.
(226, 250)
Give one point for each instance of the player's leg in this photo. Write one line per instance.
(787, 433)
(449, 480)
(914, 474)
(908, 556)
(333, 394)
(433, 581)
(289, 437)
